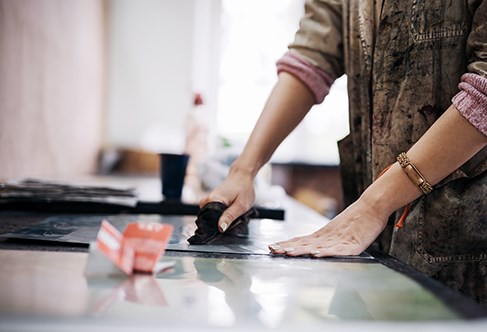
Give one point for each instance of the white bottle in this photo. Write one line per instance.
(196, 142)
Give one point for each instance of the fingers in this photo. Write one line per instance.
(348, 234)
(212, 198)
(340, 249)
(316, 246)
(237, 193)
(234, 211)
(294, 247)
(230, 215)
(218, 195)
(204, 201)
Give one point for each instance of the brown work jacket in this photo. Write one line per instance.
(404, 60)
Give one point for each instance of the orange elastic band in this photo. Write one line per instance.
(400, 222)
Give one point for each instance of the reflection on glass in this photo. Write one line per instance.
(140, 289)
(219, 313)
(272, 296)
(203, 293)
(274, 292)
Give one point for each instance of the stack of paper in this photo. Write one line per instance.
(47, 191)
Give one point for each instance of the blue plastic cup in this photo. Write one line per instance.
(173, 171)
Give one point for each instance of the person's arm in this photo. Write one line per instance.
(288, 103)
(448, 144)
(452, 140)
(306, 72)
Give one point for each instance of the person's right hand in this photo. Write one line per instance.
(237, 192)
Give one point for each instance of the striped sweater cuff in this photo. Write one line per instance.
(316, 79)
(471, 101)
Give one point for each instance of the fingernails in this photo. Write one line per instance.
(274, 246)
(223, 226)
(314, 252)
(289, 249)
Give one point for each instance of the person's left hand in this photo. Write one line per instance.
(349, 233)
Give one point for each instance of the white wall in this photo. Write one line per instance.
(51, 87)
(150, 72)
(206, 60)
(161, 51)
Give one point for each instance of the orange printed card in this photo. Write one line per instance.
(149, 241)
(110, 243)
(138, 249)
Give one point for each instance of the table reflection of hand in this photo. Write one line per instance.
(235, 283)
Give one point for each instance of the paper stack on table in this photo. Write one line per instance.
(47, 191)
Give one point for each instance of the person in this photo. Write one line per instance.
(417, 83)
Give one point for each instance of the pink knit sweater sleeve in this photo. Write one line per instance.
(316, 79)
(471, 101)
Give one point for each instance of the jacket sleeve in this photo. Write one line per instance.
(315, 56)
(477, 42)
(471, 101)
(319, 38)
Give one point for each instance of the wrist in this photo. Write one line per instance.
(377, 201)
(390, 192)
(245, 168)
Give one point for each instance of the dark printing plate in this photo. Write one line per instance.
(79, 229)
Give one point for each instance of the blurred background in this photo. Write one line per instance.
(104, 86)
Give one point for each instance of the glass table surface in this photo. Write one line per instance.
(268, 292)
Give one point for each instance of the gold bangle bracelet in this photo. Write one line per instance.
(413, 173)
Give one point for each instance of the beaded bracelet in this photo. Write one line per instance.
(413, 173)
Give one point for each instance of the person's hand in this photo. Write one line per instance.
(349, 233)
(237, 192)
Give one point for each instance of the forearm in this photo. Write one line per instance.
(288, 103)
(447, 145)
